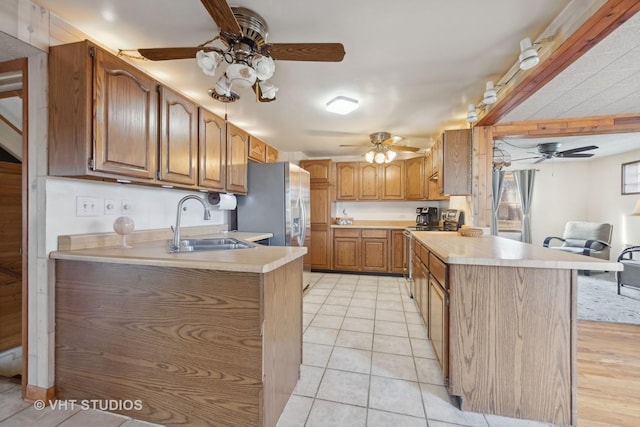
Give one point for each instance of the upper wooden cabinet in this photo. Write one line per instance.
(237, 155)
(415, 182)
(369, 178)
(456, 162)
(272, 154)
(212, 144)
(347, 174)
(102, 115)
(257, 149)
(392, 181)
(320, 171)
(178, 138)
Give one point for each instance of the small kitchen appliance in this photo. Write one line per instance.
(427, 219)
(452, 219)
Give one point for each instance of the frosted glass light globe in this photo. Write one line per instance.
(123, 225)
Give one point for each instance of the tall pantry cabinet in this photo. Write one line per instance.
(322, 174)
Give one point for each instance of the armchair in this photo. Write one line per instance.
(584, 238)
(630, 276)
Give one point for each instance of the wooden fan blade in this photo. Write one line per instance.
(327, 52)
(223, 16)
(166, 53)
(403, 148)
(351, 145)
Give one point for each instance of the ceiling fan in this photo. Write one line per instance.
(243, 46)
(384, 147)
(551, 150)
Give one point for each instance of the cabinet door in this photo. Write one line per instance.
(369, 188)
(125, 118)
(320, 205)
(213, 148)
(347, 181)
(439, 324)
(414, 178)
(346, 253)
(393, 181)
(320, 171)
(456, 162)
(178, 138)
(397, 252)
(375, 255)
(272, 154)
(424, 296)
(237, 148)
(320, 255)
(257, 149)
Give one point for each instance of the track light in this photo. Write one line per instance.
(472, 114)
(490, 94)
(528, 54)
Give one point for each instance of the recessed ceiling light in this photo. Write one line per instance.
(342, 105)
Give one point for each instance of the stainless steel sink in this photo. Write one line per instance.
(214, 244)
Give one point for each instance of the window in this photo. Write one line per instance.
(510, 210)
(631, 178)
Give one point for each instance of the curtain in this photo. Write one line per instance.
(497, 180)
(524, 182)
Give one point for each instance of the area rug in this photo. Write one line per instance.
(598, 299)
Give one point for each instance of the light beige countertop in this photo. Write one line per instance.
(389, 224)
(260, 259)
(499, 251)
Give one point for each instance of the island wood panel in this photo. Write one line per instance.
(10, 312)
(512, 341)
(282, 338)
(186, 342)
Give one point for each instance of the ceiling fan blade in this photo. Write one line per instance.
(327, 52)
(541, 159)
(526, 158)
(351, 145)
(576, 150)
(575, 155)
(223, 16)
(166, 53)
(403, 148)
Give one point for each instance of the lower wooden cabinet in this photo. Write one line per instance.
(320, 248)
(346, 250)
(439, 324)
(366, 250)
(397, 252)
(375, 250)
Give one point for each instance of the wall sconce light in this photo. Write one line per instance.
(472, 114)
(490, 94)
(528, 54)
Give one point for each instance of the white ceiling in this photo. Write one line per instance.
(414, 65)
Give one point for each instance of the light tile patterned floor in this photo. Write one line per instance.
(366, 362)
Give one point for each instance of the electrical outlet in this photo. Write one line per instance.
(125, 207)
(88, 206)
(109, 207)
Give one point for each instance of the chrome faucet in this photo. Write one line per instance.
(176, 230)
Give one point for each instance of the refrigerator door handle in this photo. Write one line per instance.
(303, 216)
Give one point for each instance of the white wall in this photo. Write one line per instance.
(584, 191)
(387, 210)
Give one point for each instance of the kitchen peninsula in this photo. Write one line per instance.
(194, 337)
(502, 320)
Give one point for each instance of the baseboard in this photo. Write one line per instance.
(34, 393)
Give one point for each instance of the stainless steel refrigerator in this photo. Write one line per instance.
(278, 201)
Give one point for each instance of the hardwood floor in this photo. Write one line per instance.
(608, 374)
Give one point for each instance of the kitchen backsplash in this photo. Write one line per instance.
(150, 208)
(399, 211)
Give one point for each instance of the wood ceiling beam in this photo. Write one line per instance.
(595, 125)
(569, 42)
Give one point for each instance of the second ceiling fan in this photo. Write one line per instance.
(551, 150)
(244, 47)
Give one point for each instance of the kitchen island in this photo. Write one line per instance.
(193, 338)
(501, 316)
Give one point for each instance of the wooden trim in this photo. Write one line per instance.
(594, 125)
(21, 64)
(34, 393)
(11, 94)
(8, 123)
(560, 54)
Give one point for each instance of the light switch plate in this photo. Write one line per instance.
(88, 206)
(110, 207)
(125, 207)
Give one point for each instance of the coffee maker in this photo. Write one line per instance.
(427, 217)
(452, 219)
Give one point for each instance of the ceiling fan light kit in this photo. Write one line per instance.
(472, 114)
(490, 94)
(342, 105)
(250, 59)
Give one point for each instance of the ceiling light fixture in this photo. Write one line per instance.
(528, 54)
(342, 105)
(472, 114)
(490, 94)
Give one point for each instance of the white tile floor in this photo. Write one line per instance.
(367, 361)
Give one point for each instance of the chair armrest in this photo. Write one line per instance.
(587, 245)
(548, 239)
(629, 251)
